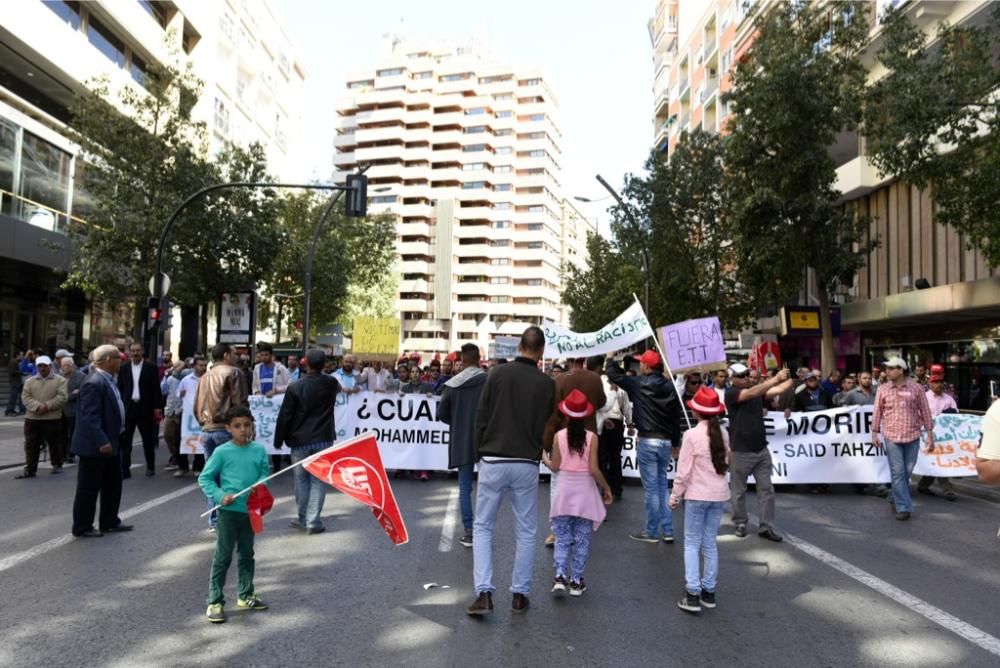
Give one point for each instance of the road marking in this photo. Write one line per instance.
(38, 550)
(949, 622)
(450, 519)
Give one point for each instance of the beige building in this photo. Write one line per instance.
(465, 151)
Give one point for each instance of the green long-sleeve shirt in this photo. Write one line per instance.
(238, 466)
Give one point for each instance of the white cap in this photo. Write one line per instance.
(896, 362)
(62, 352)
(43, 359)
(737, 369)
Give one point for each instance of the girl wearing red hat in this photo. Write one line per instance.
(577, 510)
(701, 480)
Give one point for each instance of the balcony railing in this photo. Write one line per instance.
(36, 213)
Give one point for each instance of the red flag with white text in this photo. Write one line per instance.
(355, 468)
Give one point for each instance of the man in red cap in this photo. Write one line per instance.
(939, 402)
(656, 414)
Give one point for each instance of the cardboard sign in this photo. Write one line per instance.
(376, 337)
(693, 344)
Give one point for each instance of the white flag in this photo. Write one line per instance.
(628, 328)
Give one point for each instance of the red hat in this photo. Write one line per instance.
(575, 405)
(649, 358)
(453, 356)
(706, 402)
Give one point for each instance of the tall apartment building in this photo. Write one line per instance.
(464, 150)
(48, 52)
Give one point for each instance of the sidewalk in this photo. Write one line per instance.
(12, 442)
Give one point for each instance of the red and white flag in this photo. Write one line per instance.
(259, 503)
(355, 468)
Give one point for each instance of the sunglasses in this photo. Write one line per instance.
(741, 375)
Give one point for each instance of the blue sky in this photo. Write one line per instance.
(594, 54)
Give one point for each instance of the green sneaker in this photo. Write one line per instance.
(216, 614)
(254, 602)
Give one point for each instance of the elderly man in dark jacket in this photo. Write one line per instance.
(305, 423)
(459, 401)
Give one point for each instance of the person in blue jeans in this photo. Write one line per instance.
(457, 408)
(656, 414)
(701, 482)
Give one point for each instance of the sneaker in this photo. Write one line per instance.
(296, 524)
(559, 586)
(483, 605)
(466, 539)
(215, 613)
(707, 599)
(950, 496)
(550, 540)
(643, 537)
(312, 531)
(170, 467)
(23, 475)
(519, 603)
(902, 516)
(690, 603)
(770, 534)
(577, 587)
(740, 531)
(55, 470)
(180, 474)
(253, 602)
(211, 529)
(668, 538)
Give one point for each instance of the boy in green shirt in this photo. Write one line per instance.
(238, 464)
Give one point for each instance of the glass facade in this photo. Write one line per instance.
(8, 151)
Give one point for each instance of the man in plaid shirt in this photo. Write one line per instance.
(901, 410)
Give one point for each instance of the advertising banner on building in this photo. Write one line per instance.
(630, 327)
(237, 315)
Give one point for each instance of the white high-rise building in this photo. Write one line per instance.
(465, 151)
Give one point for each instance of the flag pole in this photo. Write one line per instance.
(666, 365)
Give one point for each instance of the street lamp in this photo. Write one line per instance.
(635, 224)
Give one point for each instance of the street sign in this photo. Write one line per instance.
(152, 286)
(330, 335)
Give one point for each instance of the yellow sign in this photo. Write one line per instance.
(803, 320)
(376, 336)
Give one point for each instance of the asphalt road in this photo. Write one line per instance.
(860, 590)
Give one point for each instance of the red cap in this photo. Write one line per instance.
(649, 358)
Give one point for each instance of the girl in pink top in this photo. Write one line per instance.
(701, 481)
(577, 510)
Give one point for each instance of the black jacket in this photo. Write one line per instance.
(457, 409)
(805, 404)
(516, 402)
(150, 397)
(656, 410)
(306, 415)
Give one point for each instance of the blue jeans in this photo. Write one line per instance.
(902, 459)
(210, 440)
(310, 491)
(497, 480)
(465, 477)
(653, 458)
(14, 403)
(701, 527)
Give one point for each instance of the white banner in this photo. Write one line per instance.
(832, 446)
(628, 328)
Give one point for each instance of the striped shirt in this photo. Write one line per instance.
(900, 412)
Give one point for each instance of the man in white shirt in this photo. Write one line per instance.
(940, 402)
(612, 418)
(375, 378)
(721, 383)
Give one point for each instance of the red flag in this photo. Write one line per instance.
(355, 468)
(259, 503)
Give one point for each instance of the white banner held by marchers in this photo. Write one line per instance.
(625, 330)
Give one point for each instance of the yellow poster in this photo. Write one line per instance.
(376, 336)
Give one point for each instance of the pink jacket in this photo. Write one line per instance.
(696, 477)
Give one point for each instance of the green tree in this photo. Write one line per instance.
(800, 85)
(933, 120)
(600, 292)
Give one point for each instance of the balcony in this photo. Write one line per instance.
(857, 177)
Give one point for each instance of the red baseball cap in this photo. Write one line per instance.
(649, 358)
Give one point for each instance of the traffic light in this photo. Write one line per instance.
(356, 204)
(153, 314)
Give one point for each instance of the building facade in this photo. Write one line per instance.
(465, 151)
(49, 51)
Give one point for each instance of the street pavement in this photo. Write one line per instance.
(853, 588)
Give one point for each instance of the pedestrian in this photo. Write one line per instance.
(612, 419)
(457, 409)
(720, 383)
(235, 465)
(516, 402)
(376, 378)
(189, 385)
(901, 410)
(576, 510)
(221, 388)
(656, 412)
(813, 397)
(748, 442)
(447, 371)
(14, 405)
(577, 377)
(43, 395)
(166, 366)
(846, 387)
(864, 395)
(293, 368)
(270, 377)
(172, 411)
(701, 483)
(306, 424)
(832, 383)
(920, 375)
(407, 383)
(100, 419)
(347, 376)
(939, 402)
(139, 386)
(74, 379)
(433, 375)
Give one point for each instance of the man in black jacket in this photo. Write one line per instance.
(457, 408)
(516, 402)
(139, 385)
(305, 423)
(656, 413)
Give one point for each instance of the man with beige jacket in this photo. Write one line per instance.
(43, 395)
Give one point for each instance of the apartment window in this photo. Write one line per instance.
(423, 75)
(155, 11)
(394, 72)
(504, 114)
(360, 84)
(383, 199)
(499, 280)
(535, 135)
(503, 169)
(474, 148)
(505, 132)
(500, 261)
(221, 117)
(473, 185)
(499, 299)
(67, 11)
(501, 206)
(502, 187)
(455, 77)
(475, 129)
(500, 243)
(533, 245)
(475, 111)
(534, 227)
(501, 224)
(536, 117)
(503, 97)
(473, 166)
(727, 60)
(137, 69)
(531, 82)
(504, 150)
(106, 42)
